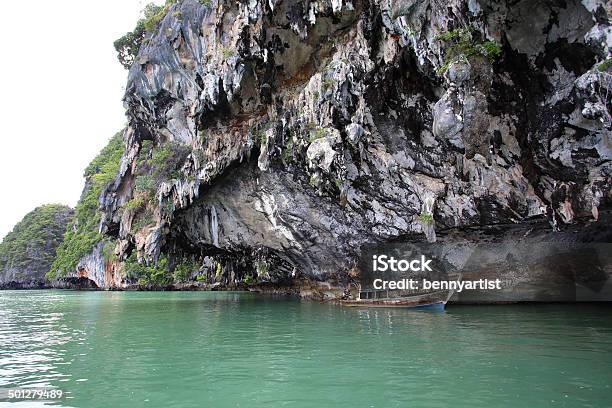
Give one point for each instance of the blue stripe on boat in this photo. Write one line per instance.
(432, 306)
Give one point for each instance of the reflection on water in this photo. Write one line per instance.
(32, 339)
(230, 350)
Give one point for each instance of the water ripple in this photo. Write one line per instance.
(227, 350)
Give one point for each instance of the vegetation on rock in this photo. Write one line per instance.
(83, 234)
(160, 273)
(127, 46)
(183, 271)
(154, 166)
(148, 275)
(287, 152)
(33, 241)
(461, 43)
(425, 217)
(605, 66)
(317, 133)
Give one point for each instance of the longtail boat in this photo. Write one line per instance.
(389, 298)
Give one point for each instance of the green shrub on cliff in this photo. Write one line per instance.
(183, 271)
(167, 159)
(158, 164)
(32, 243)
(82, 235)
(154, 166)
(460, 43)
(148, 275)
(605, 66)
(127, 46)
(160, 273)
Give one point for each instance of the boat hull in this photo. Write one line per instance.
(438, 305)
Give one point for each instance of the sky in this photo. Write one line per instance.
(60, 97)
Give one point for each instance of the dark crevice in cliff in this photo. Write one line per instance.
(77, 282)
(387, 89)
(576, 58)
(521, 98)
(582, 231)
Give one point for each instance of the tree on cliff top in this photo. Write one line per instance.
(127, 46)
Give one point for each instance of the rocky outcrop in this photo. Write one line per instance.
(26, 253)
(287, 134)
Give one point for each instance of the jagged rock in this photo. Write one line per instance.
(458, 72)
(476, 124)
(321, 151)
(354, 132)
(95, 270)
(313, 130)
(448, 119)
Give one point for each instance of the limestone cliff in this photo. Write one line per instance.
(268, 141)
(26, 253)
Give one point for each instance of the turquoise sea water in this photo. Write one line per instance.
(212, 349)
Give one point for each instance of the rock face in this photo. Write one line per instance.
(534, 264)
(302, 130)
(27, 252)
